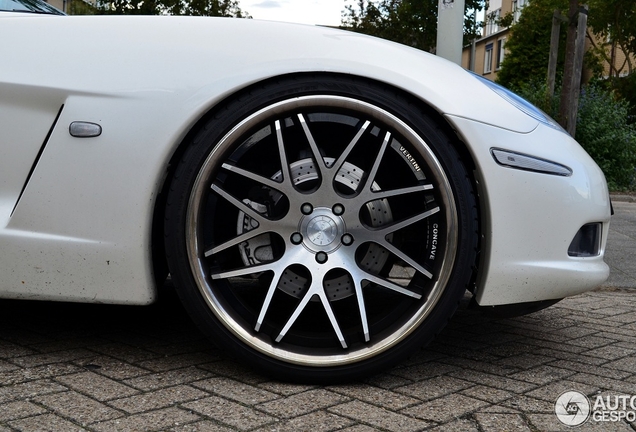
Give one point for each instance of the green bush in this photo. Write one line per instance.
(625, 87)
(603, 129)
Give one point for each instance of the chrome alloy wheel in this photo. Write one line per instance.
(321, 230)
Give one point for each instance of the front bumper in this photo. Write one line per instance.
(529, 219)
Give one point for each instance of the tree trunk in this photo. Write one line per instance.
(568, 73)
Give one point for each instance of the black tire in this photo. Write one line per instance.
(321, 228)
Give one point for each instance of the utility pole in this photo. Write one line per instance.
(575, 48)
(473, 48)
(450, 30)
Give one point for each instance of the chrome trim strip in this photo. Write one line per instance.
(529, 163)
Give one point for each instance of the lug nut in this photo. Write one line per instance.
(338, 209)
(296, 238)
(321, 257)
(347, 239)
(306, 208)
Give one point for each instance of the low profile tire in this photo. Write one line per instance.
(321, 228)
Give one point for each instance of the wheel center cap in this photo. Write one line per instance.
(322, 230)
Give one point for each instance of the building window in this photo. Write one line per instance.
(492, 22)
(488, 59)
(500, 52)
(517, 6)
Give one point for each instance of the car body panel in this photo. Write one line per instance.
(81, 229)
(24, 130)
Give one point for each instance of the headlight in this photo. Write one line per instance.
(521, 104)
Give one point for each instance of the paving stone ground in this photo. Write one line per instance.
(67, 367)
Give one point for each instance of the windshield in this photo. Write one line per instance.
(28, 6)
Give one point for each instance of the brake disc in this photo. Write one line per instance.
(259, 249)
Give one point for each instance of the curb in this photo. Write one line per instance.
(622, 198)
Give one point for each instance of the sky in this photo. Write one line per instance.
(322, 12)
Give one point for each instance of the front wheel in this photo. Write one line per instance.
(321, 228)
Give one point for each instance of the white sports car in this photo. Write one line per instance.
(322, 200)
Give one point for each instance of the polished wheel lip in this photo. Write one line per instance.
(216, 159)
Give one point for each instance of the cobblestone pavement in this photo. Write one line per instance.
(67, 367)
(621, 250)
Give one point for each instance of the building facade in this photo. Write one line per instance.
(59, 4)
(484, 56)
(71, 7)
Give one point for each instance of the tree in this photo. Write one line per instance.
(574, 52)
(614, 22)
(411, 22)
(128, 7)
(226, 8)
(612, 28)
(80, 7)
(603, 125)
(529, 44)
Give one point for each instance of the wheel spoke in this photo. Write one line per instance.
(320, 161)
(404, 257)
(292, 319)
(315, 289)
(370, 195)
(341, 160)
(387, 284)
(284, 165)
(332, 319)
(272, 184)
(268, 298)
(363, 310)
(243, 271)
(406, 222)
(264, 225)
(236, 240)
(376, 164)
(239, 204)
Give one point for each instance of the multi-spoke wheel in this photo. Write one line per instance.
(321, 228)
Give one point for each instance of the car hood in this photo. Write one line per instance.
(203, 59)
